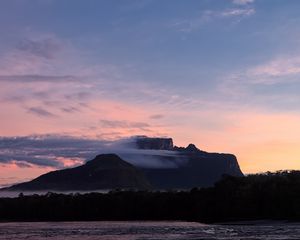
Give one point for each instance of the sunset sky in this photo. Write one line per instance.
(222, 74)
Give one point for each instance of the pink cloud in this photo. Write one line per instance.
(279, 67)
(19, 174)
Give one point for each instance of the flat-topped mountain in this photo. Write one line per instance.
(201, 169)
(106, 171)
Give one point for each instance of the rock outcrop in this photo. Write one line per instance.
(143, 142)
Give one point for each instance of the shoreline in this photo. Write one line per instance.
(261, 222)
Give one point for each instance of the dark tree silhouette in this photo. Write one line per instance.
(258, 196)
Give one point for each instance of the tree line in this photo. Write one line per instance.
(257, 196)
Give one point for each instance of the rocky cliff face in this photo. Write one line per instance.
(154, 143)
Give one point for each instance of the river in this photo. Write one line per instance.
(145, 231)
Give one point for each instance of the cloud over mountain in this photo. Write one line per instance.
(60, 151)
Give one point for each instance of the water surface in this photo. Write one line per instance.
(144, 231)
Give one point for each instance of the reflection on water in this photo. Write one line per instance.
(144, 230)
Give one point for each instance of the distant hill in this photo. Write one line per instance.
(106, 171)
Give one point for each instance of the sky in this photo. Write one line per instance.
(222, 74)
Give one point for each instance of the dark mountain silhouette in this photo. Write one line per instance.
(201, 169)
(186, 168)
(106, 171)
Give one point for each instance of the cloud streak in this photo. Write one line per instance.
(242, 2)
(39, 111)
(123, 124)
(35, 78)
(276, 70)
(236, 12)
(45, 48)
(207, 16)
(269, 86)
(156, 116)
